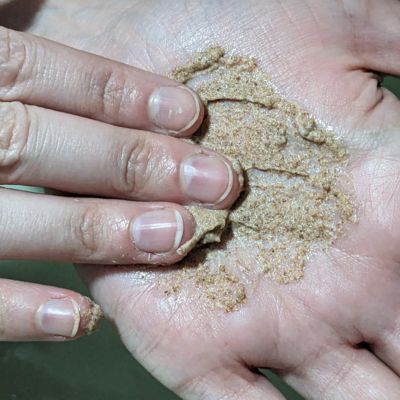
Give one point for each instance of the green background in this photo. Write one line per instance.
(96, 367)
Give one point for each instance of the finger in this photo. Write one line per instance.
(376, 31)
(375, 46)
(386, 345)
(387, 349)
(34, 226)
(35, 312)
(345, 373)
(378, 321)
(44, 73)
(60, 151)
(227, 384)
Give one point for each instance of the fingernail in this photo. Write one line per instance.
(206, 179)
(174, 108)
(158, 231)
(59, 317)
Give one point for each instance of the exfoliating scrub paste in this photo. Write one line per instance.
(292, 204)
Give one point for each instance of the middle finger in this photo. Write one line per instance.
(52, 149)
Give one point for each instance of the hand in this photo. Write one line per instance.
(67, 120)
(320, 55)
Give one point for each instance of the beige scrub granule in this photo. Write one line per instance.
(92, 318)
(291, 204)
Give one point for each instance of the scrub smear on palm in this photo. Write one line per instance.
(291, 205)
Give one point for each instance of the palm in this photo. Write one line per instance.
(307, 331)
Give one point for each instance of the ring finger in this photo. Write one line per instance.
(43, 227)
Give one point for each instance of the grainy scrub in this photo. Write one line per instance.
(291, 204)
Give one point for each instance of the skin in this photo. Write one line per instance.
(83, 124)
(336, 333)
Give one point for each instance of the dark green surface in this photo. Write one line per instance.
(393, 84)
(97, 367)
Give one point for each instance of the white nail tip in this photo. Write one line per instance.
(229, 185)
(77, 319)
(179, 229)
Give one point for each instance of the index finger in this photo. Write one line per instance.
(40, 72)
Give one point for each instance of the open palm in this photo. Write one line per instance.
(336, 333)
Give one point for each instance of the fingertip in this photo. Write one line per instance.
(198, 118)
(189, 225)
(187, 236)
(58, 317)
(210, 179)
(158, 233)
(67, 318)
(175, 110)
(233, 189)
(91, 316)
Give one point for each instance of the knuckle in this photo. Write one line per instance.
(109, 90)
(14, 131)
(135, 167)
(16, 62)
(86, 230)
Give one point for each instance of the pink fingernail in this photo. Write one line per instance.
(158, 231)
(174, 108)
(59, 317)
(206, 179)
